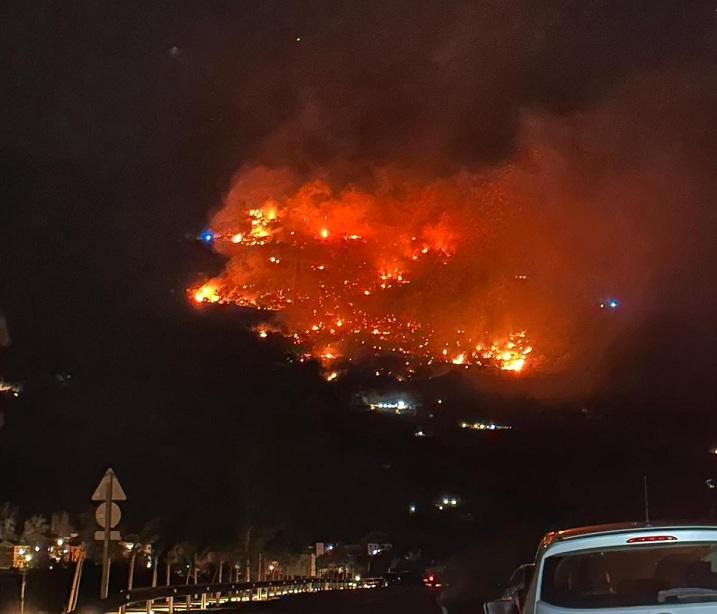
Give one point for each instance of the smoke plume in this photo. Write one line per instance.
(483, 185)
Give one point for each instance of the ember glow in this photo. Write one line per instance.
(353, 273)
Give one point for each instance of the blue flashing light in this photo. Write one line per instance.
(610, 303)
(206, 237)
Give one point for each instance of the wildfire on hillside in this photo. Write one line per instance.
(352, 272)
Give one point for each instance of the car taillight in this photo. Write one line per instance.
(652, 538)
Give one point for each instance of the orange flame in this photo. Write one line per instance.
(349, 292)
(207, 293)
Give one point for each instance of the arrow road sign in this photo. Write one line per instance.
(101, 490)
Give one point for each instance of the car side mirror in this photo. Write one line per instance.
(500, 606)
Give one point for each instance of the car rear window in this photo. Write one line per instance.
(631, 576)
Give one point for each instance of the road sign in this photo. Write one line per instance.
(108, 516)
(101, 515)
(100, 493)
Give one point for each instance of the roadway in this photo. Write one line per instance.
(392, 600)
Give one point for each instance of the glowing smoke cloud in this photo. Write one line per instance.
(474, 196)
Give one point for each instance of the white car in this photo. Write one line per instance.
(631, 568)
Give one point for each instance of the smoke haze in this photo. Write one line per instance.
(560, 153)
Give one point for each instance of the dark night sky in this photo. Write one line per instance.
(123, 125)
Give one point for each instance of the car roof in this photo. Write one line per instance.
(622, 527)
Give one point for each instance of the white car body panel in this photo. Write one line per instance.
(667, 608)
(600, 538)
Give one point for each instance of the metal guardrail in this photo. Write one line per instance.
(199, 597)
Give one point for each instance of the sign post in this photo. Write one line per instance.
(107, 516)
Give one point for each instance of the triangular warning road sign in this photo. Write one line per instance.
(117, 494)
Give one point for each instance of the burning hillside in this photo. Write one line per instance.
(534, 265)
(353, 272)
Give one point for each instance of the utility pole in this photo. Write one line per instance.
(647, 500)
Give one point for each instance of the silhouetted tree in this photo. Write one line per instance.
(180, 555)
(8, 521)
(35, 530)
